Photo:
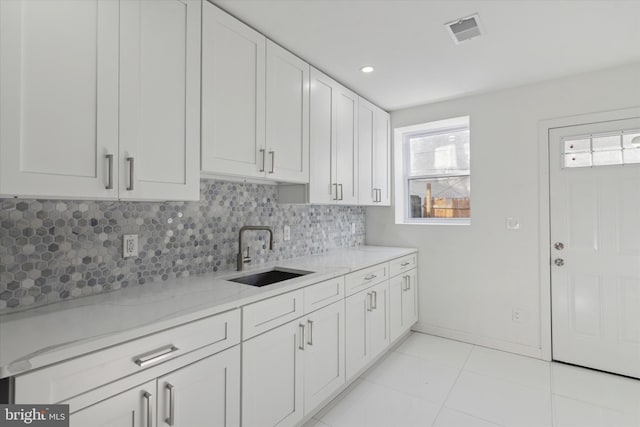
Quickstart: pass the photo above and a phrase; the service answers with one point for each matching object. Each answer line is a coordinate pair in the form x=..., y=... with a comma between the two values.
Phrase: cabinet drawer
x=264, y=315
x=323, y=293
x=362, y=279
x=67, y=379
x=403, y=264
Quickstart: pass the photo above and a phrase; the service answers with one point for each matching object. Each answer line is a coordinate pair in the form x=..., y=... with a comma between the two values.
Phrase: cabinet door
x=233, y=95
x=382, y=157
x=410, y=300
x=132, y=408
x=379, y=319
x=206, y=393
x=346, y=146
x=287, y=123
x=322, y=137
x=367, y=194
x=397, y=287
x=59, y=103
x=272, y=377
x=160, y=99
x=357, y=309
x=324, y=369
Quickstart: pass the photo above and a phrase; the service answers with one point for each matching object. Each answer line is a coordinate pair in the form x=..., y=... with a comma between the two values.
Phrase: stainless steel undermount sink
x=269, y=277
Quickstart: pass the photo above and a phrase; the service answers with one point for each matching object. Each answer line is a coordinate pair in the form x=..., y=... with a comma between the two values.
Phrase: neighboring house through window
x=432, y=173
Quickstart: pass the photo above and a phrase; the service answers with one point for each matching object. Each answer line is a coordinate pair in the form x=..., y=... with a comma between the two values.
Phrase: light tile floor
x=432, y=381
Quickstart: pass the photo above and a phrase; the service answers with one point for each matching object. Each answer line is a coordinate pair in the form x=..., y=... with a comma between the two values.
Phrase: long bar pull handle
x=147, y=396
x=301, y=346
x=408, y=283
x=109, y=185
x=370, y=277
x=310, y=340
x=404, y=264
x=369, y=301
x=131, y=171
x=172, y=404
x=336, y=185
x=156, y=356
x=273, y=161
x=264, y=155
x=341, y=193
x=375, y=300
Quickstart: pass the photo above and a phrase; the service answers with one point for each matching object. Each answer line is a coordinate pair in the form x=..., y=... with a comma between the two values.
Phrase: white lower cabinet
x=324, y=367
x=290, y=370
x=367, y=326
x=272, y=377
x=205, y=393
x=403, y=298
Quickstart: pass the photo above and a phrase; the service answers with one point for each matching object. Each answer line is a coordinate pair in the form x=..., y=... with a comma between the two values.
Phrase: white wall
x=471, y=277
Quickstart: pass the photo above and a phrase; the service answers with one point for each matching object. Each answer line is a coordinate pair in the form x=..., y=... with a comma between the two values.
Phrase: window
x=618, y=148
x=432, y=173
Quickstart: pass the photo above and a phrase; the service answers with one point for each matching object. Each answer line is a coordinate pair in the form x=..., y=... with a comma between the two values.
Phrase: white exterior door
x=59, y=103
x=595, y=245
x=233, y=95
x=205, y=393
x=160, y=99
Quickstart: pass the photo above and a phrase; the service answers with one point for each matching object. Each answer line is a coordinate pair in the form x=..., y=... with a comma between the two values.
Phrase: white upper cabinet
x=233, y=96
x=100, y=99
x=160, y=99
x=334, y=149
x=374, y=155
x=59, y=98
x=287, y=112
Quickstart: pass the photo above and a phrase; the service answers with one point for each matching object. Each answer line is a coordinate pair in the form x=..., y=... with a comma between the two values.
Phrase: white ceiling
x=415, y=58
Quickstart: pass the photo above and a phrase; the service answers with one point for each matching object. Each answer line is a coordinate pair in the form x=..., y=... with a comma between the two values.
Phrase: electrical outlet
x=286, y=233
x=518, y=315
x=353, y=228
x=129, y=245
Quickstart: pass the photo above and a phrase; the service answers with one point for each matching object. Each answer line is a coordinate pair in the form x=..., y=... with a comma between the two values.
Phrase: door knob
x=559, y=262
x=559, y=246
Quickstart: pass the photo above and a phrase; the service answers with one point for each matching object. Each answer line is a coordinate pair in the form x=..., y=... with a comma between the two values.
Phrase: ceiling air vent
x=464, y=29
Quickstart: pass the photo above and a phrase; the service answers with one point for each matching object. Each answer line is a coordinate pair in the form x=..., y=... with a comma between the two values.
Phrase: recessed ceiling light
x=367, y=69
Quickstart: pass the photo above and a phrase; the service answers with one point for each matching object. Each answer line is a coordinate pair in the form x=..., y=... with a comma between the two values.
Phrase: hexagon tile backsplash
x=51, y=250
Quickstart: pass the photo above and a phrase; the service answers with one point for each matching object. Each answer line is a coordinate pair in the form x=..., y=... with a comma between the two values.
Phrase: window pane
x=440, y=197
x=632, y=155
x=601, y=158
x=628, y=140
x=577, y=160
x=439, y=154
x=606, y=143
x=577, y=145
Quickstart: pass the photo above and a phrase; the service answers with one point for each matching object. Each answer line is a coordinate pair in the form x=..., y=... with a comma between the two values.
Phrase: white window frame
x=401, y=179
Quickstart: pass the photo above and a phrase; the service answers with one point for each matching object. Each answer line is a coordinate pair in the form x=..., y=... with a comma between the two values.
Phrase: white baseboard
x=480, y=340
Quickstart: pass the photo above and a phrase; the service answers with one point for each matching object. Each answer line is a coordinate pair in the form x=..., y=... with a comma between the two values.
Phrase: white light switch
x=130, y=245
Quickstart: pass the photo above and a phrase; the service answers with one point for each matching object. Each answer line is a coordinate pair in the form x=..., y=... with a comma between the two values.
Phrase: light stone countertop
x=49, y=334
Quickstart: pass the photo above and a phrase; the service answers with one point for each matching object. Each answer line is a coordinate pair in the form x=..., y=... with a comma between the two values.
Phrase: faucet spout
x=241, y=260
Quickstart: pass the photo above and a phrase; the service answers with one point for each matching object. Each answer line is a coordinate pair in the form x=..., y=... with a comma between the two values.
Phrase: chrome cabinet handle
x=273, y=160
x=264, y=155
x=369, y=301
x=310, y=340
x=370, y=277
x=408, y=283
x=335, y=185
x=301, y=345
x=109, y=185
x=559, y=262
x=404, y=283
x=559, y=246
x=147, y=396
x=404, y=264
x=341, y=193
x=131, y=170
x=172, y=402
x=375, y=300
x=153, y=357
